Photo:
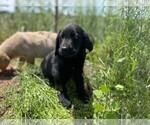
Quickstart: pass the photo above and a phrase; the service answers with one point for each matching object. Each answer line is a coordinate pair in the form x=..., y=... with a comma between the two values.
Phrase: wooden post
x=56, y=16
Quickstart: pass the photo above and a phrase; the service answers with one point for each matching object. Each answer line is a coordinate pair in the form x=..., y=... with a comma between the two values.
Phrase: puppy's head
x=71, y=40
x=4, y=60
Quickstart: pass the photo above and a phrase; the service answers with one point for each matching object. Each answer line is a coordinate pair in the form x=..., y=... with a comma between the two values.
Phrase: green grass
x=33, y=98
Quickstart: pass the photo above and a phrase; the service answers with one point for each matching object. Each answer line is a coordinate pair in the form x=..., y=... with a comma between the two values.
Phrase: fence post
x=56, y=16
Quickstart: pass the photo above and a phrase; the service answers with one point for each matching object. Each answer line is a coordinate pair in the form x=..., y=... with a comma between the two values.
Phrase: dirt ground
x=7, y=80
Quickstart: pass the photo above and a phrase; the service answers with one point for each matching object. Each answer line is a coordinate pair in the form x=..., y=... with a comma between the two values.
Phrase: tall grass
x=123, y=78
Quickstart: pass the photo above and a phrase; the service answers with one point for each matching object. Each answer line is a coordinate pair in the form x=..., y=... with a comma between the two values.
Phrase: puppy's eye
x=72, y=35
x=76, y=36
x=62, y=35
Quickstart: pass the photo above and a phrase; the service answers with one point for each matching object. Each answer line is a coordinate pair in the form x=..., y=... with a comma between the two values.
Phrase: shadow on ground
x=80, y=110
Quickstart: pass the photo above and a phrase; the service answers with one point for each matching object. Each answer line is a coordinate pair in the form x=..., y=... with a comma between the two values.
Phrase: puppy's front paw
x=66, y=103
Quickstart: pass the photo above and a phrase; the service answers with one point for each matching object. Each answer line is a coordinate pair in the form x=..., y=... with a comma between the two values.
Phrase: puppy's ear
x=3, y=56
x=4, y=60
x=57, y=43
x=88, y=42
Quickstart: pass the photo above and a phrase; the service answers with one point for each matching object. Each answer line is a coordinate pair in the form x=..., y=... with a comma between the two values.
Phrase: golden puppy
x=27, y=45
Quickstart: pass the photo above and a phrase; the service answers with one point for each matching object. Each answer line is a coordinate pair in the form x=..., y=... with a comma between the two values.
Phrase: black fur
x=67, y=62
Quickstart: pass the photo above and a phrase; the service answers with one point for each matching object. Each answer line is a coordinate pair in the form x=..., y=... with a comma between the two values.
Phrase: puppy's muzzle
x=67, y=51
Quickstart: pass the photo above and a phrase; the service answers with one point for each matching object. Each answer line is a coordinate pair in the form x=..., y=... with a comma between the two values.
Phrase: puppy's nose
x=63, y=47
x=66, y=48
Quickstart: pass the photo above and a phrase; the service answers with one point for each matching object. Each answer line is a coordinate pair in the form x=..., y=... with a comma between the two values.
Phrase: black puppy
x=67, y=62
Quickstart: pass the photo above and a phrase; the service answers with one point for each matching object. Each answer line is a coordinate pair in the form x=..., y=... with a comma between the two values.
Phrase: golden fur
x=27, y=45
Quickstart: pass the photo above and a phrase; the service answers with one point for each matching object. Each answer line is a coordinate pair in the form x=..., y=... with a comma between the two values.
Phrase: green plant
x=128, y=96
